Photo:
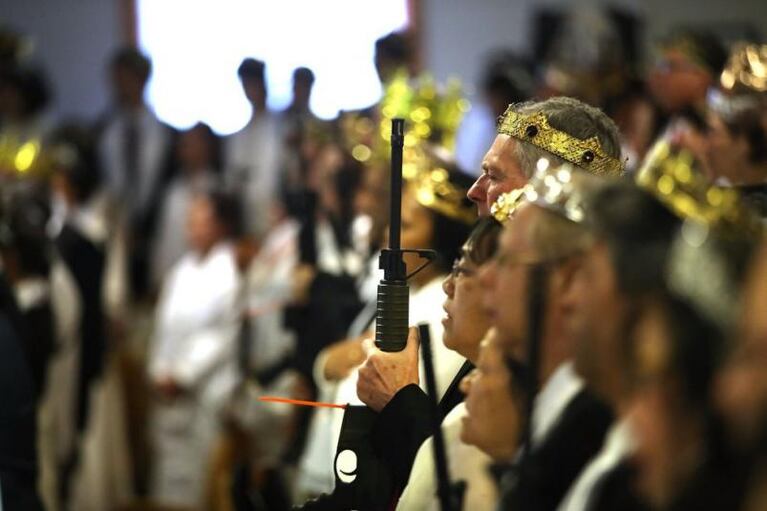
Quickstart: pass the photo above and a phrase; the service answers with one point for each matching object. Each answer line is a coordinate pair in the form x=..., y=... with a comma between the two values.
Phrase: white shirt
x=550, y=403
x=269, y=290
x=465, y=463
x=252, y=167
x=619, y=444
x=197, y=323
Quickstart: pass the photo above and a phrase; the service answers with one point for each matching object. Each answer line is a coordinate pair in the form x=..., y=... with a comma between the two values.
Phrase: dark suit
x=396, y=434
x=615, y=491
x=541, y=480
x=86, y=260
x=18, y=428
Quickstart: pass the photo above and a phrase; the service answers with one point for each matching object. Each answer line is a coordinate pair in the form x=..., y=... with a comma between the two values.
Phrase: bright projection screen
x=197, y=45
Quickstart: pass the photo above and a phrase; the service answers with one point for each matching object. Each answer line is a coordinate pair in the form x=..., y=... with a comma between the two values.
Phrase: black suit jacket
x=543, y=477
x=18, y=423
x=615, y=491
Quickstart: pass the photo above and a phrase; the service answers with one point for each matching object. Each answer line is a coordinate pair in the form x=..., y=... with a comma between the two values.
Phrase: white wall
x=73, y=40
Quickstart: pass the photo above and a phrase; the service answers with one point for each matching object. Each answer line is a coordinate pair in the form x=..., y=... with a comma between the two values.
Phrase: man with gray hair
x=561, y=129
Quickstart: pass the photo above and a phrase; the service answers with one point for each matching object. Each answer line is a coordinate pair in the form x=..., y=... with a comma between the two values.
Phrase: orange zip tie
x=317, y=404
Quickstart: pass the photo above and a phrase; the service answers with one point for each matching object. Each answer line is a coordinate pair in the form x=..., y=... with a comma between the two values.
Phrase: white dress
x=194, y=343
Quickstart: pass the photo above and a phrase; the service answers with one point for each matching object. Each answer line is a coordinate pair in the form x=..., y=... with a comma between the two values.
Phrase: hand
x=385, y=373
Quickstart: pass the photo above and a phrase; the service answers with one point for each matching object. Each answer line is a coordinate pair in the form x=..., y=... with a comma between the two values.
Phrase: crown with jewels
x=673, y=176
x=552, y=187
x=438, y=185
x=535, y=129
x=432, y=113
x=743, y=82
x=746, y=69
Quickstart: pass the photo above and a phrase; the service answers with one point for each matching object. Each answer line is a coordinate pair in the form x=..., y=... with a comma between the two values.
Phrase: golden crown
x=746, y=69
x=535, y=129
x=21, y=157
x=432, y=116
x=673, y=176
x=507, y=204
x=743, y=83
x=430, y=177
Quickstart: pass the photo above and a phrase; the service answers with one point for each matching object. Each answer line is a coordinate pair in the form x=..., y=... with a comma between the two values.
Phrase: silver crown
x=554, y=188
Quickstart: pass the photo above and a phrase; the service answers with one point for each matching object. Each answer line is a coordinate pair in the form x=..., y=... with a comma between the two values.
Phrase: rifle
x=392, y=318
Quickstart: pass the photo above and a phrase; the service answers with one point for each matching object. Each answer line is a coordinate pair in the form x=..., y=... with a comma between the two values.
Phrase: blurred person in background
x=18, y=449
x=629, y=227
x=252, y=155
x=135, y=148
x=198, y=153
x=687, y=64
x=735, y=143
x=25, y=252
x=587, y=51
x=337, y=360
x=299, y=124
x=679, y=345
x=742, y=387
x=393, y=53
x=89, y=252
x=192, y=361
x=638, y=120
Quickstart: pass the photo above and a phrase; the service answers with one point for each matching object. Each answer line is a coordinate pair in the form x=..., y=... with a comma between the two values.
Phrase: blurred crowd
x=597, y=298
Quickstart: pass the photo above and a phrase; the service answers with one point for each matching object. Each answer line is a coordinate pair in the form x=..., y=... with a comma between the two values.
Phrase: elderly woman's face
x=466, y=319
x=492, y=422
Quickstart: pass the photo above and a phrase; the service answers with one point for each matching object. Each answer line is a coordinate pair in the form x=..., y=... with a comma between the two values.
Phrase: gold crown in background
x=507, y=204
x=742, y=84
x=746, y=69
x=21, y=157
x=673, y=176
x=432, y=116
x=429, y=175
x=535, y=129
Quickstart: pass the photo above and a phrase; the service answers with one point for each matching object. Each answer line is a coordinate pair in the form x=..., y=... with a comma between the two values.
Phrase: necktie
x=131, y=185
